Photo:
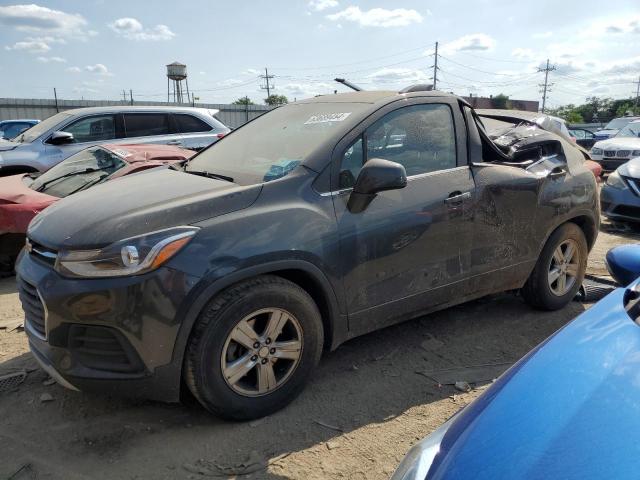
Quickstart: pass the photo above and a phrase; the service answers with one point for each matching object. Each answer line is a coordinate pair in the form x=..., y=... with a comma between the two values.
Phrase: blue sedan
x=570, y=409
x=13, y=128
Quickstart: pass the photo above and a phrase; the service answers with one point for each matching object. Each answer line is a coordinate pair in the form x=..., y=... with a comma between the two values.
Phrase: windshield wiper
x=70, y=174
x=217, y=176
x=89, y=184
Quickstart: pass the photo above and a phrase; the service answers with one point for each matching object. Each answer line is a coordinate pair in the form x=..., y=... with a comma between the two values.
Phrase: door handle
x=456, y=198
x=174, y=142
x=557, y=172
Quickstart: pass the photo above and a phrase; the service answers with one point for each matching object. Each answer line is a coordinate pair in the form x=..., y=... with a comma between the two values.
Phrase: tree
x=500, y=101
x=243, y=101
x=275, y=100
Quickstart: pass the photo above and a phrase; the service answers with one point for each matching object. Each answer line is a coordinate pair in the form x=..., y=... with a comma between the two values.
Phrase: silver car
x=60, y=136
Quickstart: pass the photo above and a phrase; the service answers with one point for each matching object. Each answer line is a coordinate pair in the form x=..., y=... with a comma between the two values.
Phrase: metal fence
x=12, y=108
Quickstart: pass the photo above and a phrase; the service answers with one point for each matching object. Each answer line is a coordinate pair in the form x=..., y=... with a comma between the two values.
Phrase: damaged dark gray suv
x=317, y=222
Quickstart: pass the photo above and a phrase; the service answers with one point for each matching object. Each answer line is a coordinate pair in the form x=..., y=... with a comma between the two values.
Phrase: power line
x=546, y=83
x=480, y=70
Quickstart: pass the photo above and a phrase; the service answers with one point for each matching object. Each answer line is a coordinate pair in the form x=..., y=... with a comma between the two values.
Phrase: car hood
x=570, y=409
x=134, y=205
x=630, y=168
x=6, y=145
x=630, y=143
x=14, y=190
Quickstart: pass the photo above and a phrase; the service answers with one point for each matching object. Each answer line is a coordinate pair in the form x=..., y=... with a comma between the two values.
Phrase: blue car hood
x=569, y=410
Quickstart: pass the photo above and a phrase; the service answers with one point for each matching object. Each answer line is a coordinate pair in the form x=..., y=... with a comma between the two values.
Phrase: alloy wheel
x=261, y=352
x=564, y=267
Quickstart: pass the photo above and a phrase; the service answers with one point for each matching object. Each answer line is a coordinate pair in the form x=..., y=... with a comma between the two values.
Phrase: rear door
x=150, y=127
x=196, y=133
x=408, y=251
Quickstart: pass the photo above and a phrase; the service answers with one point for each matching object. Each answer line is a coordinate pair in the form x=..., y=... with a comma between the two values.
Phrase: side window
x=146, y=124
x=420, y=137
x=352, y=161
x=190, y=124
x=92, y=129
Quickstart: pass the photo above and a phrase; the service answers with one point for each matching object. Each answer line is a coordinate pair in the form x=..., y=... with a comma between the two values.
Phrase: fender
x=336, y=325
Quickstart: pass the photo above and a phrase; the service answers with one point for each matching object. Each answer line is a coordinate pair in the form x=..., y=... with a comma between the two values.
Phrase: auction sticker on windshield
x=327, y=117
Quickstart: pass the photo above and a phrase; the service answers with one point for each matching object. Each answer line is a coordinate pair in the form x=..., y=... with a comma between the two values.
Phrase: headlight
x=131, y=256
x=596, y=151
x=417, y=462
x=615, y=181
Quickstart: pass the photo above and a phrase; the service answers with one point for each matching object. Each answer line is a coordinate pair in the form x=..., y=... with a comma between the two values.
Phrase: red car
x=23, y=196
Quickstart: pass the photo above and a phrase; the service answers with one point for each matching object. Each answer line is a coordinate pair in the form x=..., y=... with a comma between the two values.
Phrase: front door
x=409, y=249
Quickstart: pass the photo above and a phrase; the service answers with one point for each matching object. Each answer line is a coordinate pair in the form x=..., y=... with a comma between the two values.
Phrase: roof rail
x=420, y=87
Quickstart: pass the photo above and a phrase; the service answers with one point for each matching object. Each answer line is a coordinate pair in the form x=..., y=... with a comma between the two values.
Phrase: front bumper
x=620, y=204
x=115, y=335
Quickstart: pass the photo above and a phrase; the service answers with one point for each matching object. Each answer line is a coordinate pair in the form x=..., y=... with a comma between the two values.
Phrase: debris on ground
x=470, y=373
x=12, y=325
x=211, y=468
x=462, y=386
x=46, y=397
x=326, y=425
x=331, y=445
x=9, y=381
x=594, y=288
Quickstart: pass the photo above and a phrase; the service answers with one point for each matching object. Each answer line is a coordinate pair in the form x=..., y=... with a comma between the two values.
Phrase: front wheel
x=560, y=270
x=253, y=348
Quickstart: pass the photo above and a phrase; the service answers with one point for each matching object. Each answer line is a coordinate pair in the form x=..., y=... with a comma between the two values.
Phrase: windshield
x=275, y=143
x=631, y=130
x=34, y=132
x=86, y=168
x=617, y=123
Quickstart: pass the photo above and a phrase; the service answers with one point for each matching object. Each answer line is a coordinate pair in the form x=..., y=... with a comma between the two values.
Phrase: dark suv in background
x=317, y=222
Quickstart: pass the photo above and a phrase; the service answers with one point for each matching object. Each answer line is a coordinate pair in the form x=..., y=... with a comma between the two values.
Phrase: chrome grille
x=623, y=153
x=609, y=153
x=35, y=313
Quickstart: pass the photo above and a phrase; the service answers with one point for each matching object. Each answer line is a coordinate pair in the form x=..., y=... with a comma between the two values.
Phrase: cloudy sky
x=97, y=48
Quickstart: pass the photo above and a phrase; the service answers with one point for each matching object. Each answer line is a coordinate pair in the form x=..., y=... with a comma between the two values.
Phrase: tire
x=258, y=303
x=539, y=291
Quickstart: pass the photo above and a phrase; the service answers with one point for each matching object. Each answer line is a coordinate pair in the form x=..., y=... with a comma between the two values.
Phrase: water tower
x=176, y=73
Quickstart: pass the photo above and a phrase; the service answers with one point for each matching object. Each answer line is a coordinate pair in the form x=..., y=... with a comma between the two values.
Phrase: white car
x=66, y=133
x=615, y=151
x=613, y=127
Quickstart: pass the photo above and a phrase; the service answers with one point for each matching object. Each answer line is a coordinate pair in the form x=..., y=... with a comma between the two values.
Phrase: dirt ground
x=367, y=405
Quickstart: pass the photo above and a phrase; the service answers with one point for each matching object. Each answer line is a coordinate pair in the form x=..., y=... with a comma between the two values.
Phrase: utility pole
x=545, y=86
x=638, y=93
x=55, y=96
x=131, y=96
x=435, y=69
x=124, y=95
x=266, y=78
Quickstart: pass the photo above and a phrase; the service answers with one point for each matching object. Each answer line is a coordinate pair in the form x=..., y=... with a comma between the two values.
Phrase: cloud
x=98, y=69
x=251, y=71
x=473, y=42
x=43, y=20
x=405, y=76
x=52, y=59
x=378, y=17
x=624, y=25
x=74, y=69
x=524, y=53
x=320, y=5
x=542, y=35
x=308, y=89
x=132, y=29
x=31, y=46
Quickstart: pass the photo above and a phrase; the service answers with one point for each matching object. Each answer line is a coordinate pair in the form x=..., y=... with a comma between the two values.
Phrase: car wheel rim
x=261, y=352
x=564, y=267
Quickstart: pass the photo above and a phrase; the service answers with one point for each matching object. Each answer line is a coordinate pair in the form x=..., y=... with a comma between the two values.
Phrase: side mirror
x=377, y=175
x=60, y=138
x=623, y=263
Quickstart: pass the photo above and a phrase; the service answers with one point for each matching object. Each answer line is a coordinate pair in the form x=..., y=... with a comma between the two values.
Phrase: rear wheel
x=560, y=270
x=253, y=348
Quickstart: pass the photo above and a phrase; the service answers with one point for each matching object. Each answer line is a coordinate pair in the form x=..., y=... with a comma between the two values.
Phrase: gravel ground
x=367, y=405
